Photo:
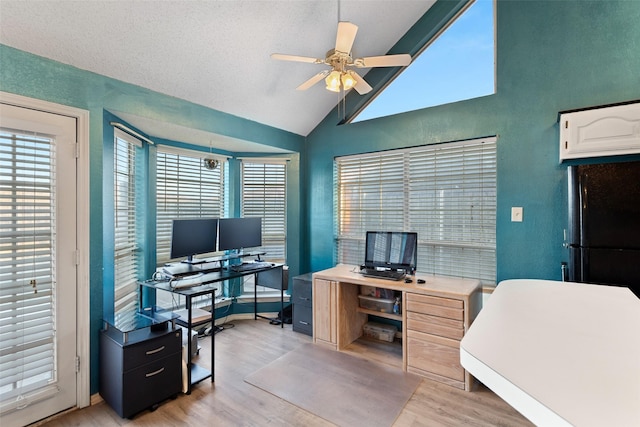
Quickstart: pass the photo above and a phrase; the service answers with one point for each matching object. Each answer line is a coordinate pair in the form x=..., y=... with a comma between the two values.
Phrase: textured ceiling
x=212, y=53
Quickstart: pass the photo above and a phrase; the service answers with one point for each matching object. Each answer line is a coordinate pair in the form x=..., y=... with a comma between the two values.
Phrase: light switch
x=516, y=214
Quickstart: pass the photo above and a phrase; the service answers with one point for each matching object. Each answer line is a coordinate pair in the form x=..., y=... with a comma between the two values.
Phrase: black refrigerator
x=604, y=224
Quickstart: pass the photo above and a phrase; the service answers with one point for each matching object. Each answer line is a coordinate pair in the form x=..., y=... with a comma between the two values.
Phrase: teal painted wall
x=551, y=56
x=36, y=77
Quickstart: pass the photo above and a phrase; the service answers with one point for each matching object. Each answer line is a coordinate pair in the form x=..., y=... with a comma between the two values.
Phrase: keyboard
x=383, y=274
x=250, y=266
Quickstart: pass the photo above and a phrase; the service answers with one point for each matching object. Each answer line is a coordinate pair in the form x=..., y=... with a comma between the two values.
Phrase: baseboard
x=95, y=399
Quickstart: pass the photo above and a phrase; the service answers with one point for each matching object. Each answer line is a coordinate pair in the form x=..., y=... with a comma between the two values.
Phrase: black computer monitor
x=190, y=237
x=239, y=233
x=397, y=250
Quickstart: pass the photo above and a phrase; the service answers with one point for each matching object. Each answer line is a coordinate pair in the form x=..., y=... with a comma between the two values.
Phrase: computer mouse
x=408, y=280
x=421, y=281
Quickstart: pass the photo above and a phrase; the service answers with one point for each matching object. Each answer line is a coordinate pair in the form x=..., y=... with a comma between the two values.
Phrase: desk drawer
x=441, y=326
x=302, y=290
x=434, y=354
x=152, y=383
x=435, y=306
x=151, y=350
x=302, y=319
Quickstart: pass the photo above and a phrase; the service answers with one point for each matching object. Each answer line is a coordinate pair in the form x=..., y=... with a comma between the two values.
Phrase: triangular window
x=459, y=64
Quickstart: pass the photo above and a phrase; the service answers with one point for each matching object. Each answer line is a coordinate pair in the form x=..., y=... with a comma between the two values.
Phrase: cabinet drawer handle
x=157, y=350
x=304, y=299
x=304, y=323
x=150, y=374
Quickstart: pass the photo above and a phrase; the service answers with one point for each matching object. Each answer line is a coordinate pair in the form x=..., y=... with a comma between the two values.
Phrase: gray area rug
x=343, y=389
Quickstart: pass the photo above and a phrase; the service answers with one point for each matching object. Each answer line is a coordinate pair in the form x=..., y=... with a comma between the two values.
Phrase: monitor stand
x=193, y=261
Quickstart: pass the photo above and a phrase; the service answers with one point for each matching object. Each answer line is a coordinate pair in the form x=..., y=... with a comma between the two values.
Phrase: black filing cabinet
x=141, y=368
x=302, y=304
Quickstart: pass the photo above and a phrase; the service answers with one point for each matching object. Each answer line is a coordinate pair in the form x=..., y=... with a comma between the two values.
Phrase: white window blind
x=27, y=276
x=126, y=248
x=264, y=195
x=264, y=186
x=445, y=192
x=185, y=189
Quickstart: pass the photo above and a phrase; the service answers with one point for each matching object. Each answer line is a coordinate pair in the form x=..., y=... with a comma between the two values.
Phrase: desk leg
x=282, y=307
x=213, y=333
x=189, y=362
x=255, y=296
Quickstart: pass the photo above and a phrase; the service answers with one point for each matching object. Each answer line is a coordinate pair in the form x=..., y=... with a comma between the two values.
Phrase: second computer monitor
x=239, y=233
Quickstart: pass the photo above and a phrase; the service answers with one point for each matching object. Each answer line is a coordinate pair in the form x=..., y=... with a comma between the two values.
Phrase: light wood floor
x=230, y=401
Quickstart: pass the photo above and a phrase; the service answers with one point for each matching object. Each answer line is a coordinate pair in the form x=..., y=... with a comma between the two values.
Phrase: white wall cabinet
x=608, y=131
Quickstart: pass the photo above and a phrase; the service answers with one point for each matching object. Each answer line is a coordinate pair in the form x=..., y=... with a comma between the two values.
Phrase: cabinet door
x=324, y=312
x=600, y=132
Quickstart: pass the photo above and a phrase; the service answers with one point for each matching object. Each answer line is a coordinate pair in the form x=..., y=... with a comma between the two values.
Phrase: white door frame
x=83, y=378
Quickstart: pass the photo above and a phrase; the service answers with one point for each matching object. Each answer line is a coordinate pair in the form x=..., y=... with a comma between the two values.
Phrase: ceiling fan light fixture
x=348, y=81
x=333, y=81
x=339, y=77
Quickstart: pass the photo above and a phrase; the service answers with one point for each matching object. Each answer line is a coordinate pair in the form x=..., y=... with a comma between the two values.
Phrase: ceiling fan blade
x=313, y=80
x=295, y=58
x=383, y=61
x=361, y=85
x=345, y=37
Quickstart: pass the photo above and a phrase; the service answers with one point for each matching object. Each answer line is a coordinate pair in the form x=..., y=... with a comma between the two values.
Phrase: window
x=444, y=192
x=126, y=248
x=458, y=64
x=264, y=195
x=185, y=189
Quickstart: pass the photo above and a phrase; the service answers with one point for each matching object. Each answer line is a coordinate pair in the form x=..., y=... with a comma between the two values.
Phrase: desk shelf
x=196, y=313
x=198, y=373
x=390, y=316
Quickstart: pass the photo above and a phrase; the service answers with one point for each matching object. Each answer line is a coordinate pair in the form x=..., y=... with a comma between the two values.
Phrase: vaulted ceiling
x=212, y=53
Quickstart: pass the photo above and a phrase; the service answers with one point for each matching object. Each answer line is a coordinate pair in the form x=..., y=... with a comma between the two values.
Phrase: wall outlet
x=516, y=214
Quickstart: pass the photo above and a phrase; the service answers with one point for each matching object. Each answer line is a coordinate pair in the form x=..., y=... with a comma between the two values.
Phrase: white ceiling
x=212, y=53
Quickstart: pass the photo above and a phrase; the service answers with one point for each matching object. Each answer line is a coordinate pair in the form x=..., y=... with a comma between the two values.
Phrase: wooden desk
x=435, y=316
x=560, y=353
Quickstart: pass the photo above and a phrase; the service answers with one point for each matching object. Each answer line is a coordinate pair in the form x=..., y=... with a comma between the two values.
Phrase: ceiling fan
x=340, y=76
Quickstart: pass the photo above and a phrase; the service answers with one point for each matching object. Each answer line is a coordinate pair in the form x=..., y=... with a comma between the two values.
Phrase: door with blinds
x=37, y=264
